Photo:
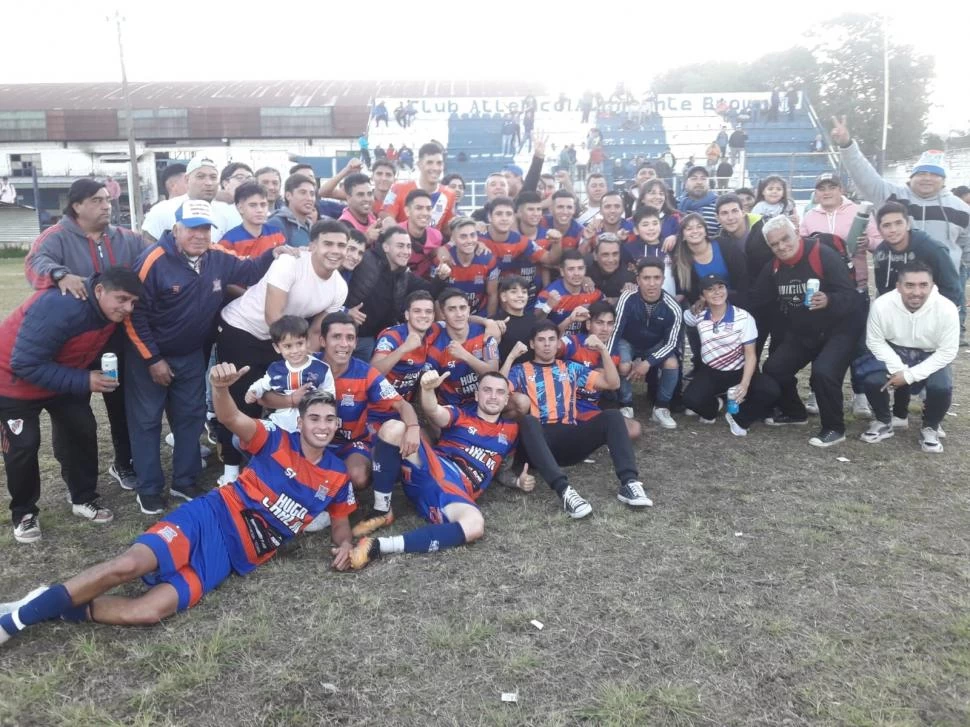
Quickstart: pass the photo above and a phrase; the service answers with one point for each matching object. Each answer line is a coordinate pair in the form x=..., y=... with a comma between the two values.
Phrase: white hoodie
x=934, y=327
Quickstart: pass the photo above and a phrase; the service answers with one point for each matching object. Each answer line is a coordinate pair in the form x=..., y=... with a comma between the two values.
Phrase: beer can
x=109, y=365
x=732, y=402
x=812, y=286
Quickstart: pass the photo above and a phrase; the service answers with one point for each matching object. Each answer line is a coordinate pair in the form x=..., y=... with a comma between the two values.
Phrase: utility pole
x=885, y=90
x=134, y=182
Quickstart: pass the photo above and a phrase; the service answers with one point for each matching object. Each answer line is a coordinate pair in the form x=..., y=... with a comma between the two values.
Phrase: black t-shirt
x=518, y=328
x=611, y=285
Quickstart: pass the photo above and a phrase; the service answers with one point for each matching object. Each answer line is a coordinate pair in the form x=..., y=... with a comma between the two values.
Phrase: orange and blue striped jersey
x=406, y=372
x=277, y=495
x=552, y=388
x=442, y=204
x=572, y=347
x=476, y=446
x=460, y=387
x=568, y=302
x=240, y=242
x=361, y=394
x=472, y=279
x=518, y=255
x=571, y=237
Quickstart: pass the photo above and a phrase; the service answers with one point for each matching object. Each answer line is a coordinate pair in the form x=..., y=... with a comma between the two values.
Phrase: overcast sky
x=178, y=40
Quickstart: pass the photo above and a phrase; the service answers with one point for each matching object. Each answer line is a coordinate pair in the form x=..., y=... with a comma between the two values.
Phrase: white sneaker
x=940, y=433
x=204, y=451
x=318, y=523
x=224, y=480
x=900, y=423
x=627, y=411
x=876, y=432
x=702, y=420
x=690, y=413
x=811, y=405
x=574, y=504
x=663, y=418
x=736, y=429
x=93, y=511
x=930, y=440
x=860, y=406
x=6, y=608
x=27, y=530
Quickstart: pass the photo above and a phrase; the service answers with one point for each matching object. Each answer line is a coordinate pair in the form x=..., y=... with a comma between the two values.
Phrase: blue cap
x=514, y=169
x=194, y=213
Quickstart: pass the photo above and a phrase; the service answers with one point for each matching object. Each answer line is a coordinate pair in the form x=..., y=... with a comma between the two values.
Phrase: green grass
x=771, y=584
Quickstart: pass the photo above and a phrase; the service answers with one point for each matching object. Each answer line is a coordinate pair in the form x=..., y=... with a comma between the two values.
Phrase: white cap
x=194, y=213
x=199, y=161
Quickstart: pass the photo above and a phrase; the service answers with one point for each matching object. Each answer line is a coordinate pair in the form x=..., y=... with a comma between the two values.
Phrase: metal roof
x=223, y=94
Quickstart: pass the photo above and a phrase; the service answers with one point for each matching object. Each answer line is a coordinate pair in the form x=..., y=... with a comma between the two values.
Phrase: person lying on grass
x=290, y=479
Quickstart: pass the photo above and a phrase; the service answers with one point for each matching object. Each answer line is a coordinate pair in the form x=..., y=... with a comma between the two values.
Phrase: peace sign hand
x=840, y=131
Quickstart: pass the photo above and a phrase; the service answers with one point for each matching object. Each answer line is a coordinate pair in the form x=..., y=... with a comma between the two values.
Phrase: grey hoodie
x=944, y=217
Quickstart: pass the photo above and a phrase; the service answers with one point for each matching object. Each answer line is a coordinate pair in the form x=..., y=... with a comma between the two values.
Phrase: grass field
x=771, y=584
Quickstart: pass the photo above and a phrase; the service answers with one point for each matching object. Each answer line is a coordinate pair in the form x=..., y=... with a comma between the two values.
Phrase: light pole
x=885, y=90
x=134, y=182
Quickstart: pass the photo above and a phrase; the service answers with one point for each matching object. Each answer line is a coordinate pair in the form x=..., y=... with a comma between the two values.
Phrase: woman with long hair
x=697, y=256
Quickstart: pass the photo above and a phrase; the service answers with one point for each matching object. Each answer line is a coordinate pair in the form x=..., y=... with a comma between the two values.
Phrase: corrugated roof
x=222, y=94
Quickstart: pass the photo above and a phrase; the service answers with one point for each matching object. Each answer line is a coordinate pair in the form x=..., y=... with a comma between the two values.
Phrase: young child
x=513, y=296
x=772, y=198
x=286, y=381
x=647, y=226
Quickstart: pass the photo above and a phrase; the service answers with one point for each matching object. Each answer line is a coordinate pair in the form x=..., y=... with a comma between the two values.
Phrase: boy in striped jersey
x=728, y=335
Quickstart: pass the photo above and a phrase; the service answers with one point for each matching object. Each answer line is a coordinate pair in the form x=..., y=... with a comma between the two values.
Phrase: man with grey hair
x=822, y=329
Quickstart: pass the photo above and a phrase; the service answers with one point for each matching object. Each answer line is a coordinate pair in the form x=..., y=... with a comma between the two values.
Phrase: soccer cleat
x=187, y=492
x=27, y=530
x=811, y=405
x=375, y=520
x=150, y=504
x=366, y=550
x=93, y=511
x=13, y=622
x=860, y=406
x=632, y=494
x=661, y=416
x=930, y=440
x=575, y=505
x=627, y=411
x=826, y=438
x=736, y=429
x=781, y=420
x=125, y=476
x=320, y=522
x=900, y=422
x=876, y=432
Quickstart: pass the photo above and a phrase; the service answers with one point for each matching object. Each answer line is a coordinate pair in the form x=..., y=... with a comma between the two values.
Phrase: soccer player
x=253, y=237
x=443, y=482
x=360, y=390
x=463, y=348
x=431, y=165
x=564, y=302
x=401, y=352
x=472, y=272
x=425, y=239
x=610, y=219
x=383, y=173
x=290, y=479
x=563, y=219
x=552, y=386
x=530, y=223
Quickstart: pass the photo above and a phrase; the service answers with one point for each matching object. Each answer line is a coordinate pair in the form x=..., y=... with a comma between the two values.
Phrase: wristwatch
x=58, y=275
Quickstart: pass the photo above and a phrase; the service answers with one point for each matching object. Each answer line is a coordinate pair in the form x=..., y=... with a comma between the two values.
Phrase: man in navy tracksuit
x=823, y=333
x=46, y=347
x=184, y=278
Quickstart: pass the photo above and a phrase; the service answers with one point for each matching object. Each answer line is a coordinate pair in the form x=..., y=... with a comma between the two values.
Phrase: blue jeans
x=666, y=385
x=939, y=395
x=964, y=275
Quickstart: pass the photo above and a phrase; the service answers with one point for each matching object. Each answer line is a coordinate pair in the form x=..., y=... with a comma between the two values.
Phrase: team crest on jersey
x=387, y=390
x=347, y=400
x=16, y=426
x=385, y=345
x=479, y=280
x=167, y=533
x=502, y=439
x=217, y=286
x=506, y=258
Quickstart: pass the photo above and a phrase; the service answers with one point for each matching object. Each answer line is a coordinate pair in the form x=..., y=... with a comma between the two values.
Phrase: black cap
x=709, y=281
x=698, y=168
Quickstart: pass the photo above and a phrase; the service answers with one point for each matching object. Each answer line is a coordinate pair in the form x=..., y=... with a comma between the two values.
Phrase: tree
x=850, y=83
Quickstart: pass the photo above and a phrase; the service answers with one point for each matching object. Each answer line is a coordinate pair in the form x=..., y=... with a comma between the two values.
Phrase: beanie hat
x=931, y=162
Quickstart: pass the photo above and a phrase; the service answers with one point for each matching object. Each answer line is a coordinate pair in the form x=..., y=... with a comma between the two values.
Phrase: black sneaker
x=150, y=504
x=826, y=438
x=574, y=505
x=780, y=420
x=187, y=492
x=212, y=430
x=125, y=476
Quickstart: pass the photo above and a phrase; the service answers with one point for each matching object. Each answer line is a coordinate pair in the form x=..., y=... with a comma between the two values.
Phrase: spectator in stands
x=700, y=198
x=596, y=158
x=300, y=194
x=202, y=183
x=585, y=107
x=379, y=114
x=270, y=179
x=792, y=98
x=308, y=286
x=722, y=140
x=934, y=210
x=914, y=335
x=902, y=245
x=718, y=170
x=456, y=184
x=48, y=344
x=605, y=270
x=184, y=278
x=173, y=181
x=496, y=185
x=824, y=333
x=425, y=240
x=513, y=175
x=774, y=105
x=63, y=256
x=647, y=334
x=508, y=129
x=391, y=153
x=818, y=144
x=746, y=196
x=737, y=141
x=253, y=236
x=379, y=287
x=231, y=177
x=528, y=124
x=582, y=161
x=772, y=199
x=360, y=202
x=405, y=157
x=595, y=189
x=400, y=115
x=411, y=111
x=431, y=165
x=363, y=145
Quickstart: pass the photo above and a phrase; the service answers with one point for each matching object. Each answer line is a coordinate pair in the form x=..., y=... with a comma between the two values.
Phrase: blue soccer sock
x=387, y=471
x=434, y=537
x=45, y=606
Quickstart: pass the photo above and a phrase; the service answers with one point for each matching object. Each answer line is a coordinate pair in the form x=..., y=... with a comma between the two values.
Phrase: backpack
x=815, y=255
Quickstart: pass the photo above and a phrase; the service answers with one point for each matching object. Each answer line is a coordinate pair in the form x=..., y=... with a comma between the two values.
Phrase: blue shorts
x=190, y=549
x=433, y=484
x=345, y=449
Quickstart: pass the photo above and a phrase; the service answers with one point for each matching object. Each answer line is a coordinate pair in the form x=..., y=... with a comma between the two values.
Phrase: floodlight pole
x=885, y=90
x=134, y=182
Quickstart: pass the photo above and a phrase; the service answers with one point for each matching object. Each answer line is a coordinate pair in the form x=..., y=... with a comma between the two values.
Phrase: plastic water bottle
x=732, y=400
x=109, y=365
x=812, y=286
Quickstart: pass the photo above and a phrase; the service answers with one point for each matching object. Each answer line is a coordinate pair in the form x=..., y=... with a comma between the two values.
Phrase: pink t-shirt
x=348, y=217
